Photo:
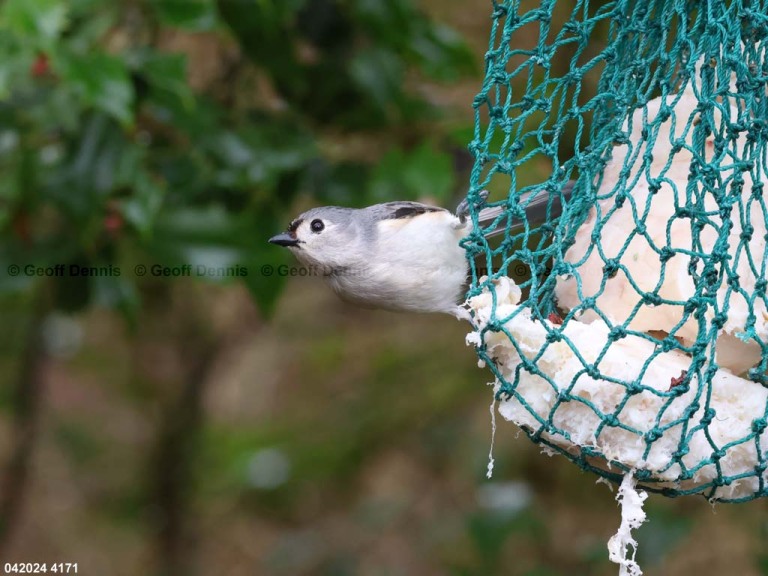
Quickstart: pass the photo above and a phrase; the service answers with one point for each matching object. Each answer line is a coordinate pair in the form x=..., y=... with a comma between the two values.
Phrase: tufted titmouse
x=400, y=256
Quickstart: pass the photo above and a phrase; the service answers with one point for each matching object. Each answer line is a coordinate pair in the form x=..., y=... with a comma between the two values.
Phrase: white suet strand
x=737, y=347
x=622, y=547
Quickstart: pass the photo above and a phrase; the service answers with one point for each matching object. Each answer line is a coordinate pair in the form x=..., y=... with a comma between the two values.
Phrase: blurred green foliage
x=110, y=155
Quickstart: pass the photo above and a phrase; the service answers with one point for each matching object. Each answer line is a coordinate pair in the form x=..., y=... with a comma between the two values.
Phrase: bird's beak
x=284, y=239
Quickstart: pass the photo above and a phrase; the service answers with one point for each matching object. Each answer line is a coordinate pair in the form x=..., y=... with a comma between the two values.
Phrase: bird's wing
x=401, y=209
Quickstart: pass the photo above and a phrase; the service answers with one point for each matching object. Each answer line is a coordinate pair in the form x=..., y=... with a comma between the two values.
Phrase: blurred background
x=230, y=417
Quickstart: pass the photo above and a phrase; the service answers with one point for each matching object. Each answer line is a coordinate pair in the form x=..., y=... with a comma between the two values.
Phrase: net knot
x=617, y=333
x=611, y=420
x=651, y=299
x=681, y=453
x=709, y=415
x=759, y=425
x=643, y=474
x=611, y=268
x=652, y=435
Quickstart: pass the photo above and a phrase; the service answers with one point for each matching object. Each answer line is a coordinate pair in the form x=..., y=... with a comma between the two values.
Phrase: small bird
x=400, y=256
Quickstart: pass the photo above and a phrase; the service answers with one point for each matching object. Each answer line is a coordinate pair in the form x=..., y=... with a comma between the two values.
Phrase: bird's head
x=325, y=237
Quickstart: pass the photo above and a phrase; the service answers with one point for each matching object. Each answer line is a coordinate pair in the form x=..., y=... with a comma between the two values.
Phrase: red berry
x=113, y=223
x=40, y=66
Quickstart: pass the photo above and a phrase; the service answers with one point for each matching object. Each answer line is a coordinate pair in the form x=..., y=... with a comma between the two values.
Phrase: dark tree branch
x=197, y=348
x=27, y=400
x=177, y=447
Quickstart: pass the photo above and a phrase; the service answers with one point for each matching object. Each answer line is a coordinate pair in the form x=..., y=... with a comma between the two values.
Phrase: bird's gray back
x=397, y=210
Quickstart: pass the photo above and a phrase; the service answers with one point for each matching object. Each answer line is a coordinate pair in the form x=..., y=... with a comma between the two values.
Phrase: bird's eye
x=316, y=226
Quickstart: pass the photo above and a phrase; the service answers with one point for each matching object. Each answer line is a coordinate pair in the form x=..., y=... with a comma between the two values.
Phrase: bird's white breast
x=415, y=264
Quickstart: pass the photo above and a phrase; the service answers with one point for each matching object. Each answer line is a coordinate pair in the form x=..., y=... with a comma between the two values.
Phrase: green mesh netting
x=639, y=342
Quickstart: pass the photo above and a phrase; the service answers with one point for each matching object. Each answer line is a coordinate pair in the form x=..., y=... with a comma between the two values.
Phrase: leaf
x=195, y=15
x=443, y=54
x=15, y=65
x=386, y=181
x=265, y=280
x=423, y=172
x=36, y=21
x=399, y=26
x=102, y=81
x=201, y=226
x=232, y=149
x=168, y=73
x=263, y=29
x=428, y=172
x=197, y=119
x=97, y=158
x=261, y=153
x=390, y=22
x=341, y=184
x=379, y=73
x=143, y=207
